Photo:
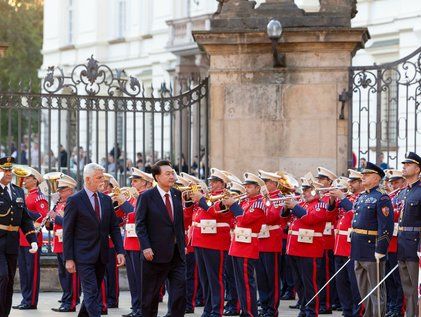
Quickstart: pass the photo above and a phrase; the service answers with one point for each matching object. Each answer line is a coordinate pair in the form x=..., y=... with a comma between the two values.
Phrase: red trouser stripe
x=316, y=306
x=221, y=282
x=75, y=290
x=327, y=279
x=246, y=283
x=195, y=285
x=276, y=277
x=104, y=296
x=35, y=280
x=117, y=281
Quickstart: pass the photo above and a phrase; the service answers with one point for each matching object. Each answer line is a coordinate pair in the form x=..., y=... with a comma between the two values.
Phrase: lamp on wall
x=274, y=31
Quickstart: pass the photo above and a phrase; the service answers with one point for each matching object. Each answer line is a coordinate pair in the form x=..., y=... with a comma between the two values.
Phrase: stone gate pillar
x=272, y=118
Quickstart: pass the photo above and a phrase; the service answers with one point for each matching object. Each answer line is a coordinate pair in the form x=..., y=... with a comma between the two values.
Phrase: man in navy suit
x=160, y=228
x=89, y=219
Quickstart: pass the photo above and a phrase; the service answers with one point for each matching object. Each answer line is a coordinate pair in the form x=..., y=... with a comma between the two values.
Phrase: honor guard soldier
x=211, y=240
x=372, y=229
x=346, y=282
x=244, y=249
x=409, y=232
x=140, y=182
x=268, y=269
x=29, y=267
x=395, y=297
x=13, y=216
x=305, y=244
x=111, y=278
x=328, y=297
x=69, y=282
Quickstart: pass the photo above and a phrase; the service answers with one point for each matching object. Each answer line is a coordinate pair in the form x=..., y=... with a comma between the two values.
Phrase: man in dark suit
x=160, y=228
x=89, y=220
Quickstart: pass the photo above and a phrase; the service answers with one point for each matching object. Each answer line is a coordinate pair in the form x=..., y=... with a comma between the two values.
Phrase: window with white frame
x=70, y=21
x=121, y=18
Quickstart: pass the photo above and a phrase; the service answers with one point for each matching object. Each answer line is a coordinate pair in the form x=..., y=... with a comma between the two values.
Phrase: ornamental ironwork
x=384, y=120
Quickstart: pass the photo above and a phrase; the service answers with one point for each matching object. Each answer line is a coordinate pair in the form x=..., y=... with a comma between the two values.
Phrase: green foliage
x=21, y=28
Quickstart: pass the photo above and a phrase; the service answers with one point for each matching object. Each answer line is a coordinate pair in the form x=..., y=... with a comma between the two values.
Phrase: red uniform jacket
x=131, y=241
x=37, y=205
x=204, y=233
x=311, y=216
x=270, y=237
x=397, y=207
x=188, y=219
x=250, y=216
x=58, y=228
x=342, y=230
x=328, y=232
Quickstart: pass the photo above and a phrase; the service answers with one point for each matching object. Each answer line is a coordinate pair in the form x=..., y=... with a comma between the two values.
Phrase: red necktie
x=168, y=205
x=97, y=212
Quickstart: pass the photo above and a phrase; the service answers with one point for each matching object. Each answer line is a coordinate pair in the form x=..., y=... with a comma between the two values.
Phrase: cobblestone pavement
x=49, y=300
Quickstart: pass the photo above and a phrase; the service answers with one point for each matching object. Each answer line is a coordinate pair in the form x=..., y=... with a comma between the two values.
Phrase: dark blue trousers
x=111, y=279
x=346, y=284
x=69, y=284
x=268, y=271
x=210, y=264
x=305, y=277
x=326, y=269
x=395, y=296
x=91, y=277
x=246, y=285
x=287, y=280
x=232, y=304
x=29, y=271
x=194, y=291
x=134, y=276
x=8, y=264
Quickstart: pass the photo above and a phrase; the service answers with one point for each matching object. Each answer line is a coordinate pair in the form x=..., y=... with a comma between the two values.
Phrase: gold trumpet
x=52, y=179
x=120, y=195
x=20, y=172
x=186, y=191
x=216, y=198
x=328, y=189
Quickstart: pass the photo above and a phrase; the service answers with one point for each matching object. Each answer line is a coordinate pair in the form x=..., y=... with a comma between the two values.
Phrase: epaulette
x=258, y=205
x=40, y=197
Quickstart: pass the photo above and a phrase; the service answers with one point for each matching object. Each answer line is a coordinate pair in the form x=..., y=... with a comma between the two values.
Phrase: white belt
x=314, y=234
x=218, y=224
x=273, y=227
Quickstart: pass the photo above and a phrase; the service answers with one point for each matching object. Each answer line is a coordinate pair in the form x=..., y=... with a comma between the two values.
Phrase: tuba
x=20, y=172
x=52, y=179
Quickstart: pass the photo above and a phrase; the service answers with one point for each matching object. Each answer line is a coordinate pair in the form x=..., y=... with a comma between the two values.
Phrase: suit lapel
x=87, y=203
x=161, y=203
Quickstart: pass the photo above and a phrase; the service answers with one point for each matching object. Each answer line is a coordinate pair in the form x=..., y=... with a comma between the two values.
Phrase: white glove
x=34, y=247
x=378, y=256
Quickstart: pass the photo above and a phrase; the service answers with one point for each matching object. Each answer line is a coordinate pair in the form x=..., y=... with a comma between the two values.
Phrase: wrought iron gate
x=92, y=113
x=385, y=111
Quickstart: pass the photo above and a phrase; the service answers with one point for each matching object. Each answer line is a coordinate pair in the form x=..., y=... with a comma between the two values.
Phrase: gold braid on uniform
x=5, y=214
x=29, y=232
x=384, y=236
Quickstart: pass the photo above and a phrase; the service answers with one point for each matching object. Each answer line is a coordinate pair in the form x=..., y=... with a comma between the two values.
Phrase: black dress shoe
x=167, y=315
x=296, y=306
x=324, y=311
x=112, y=306
x=336, y=307
x=16, y=306
x=189, y=311
x=231, y=313
x=27, y=307
x=62, y=309
x=288, y=296
x=131, y=314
